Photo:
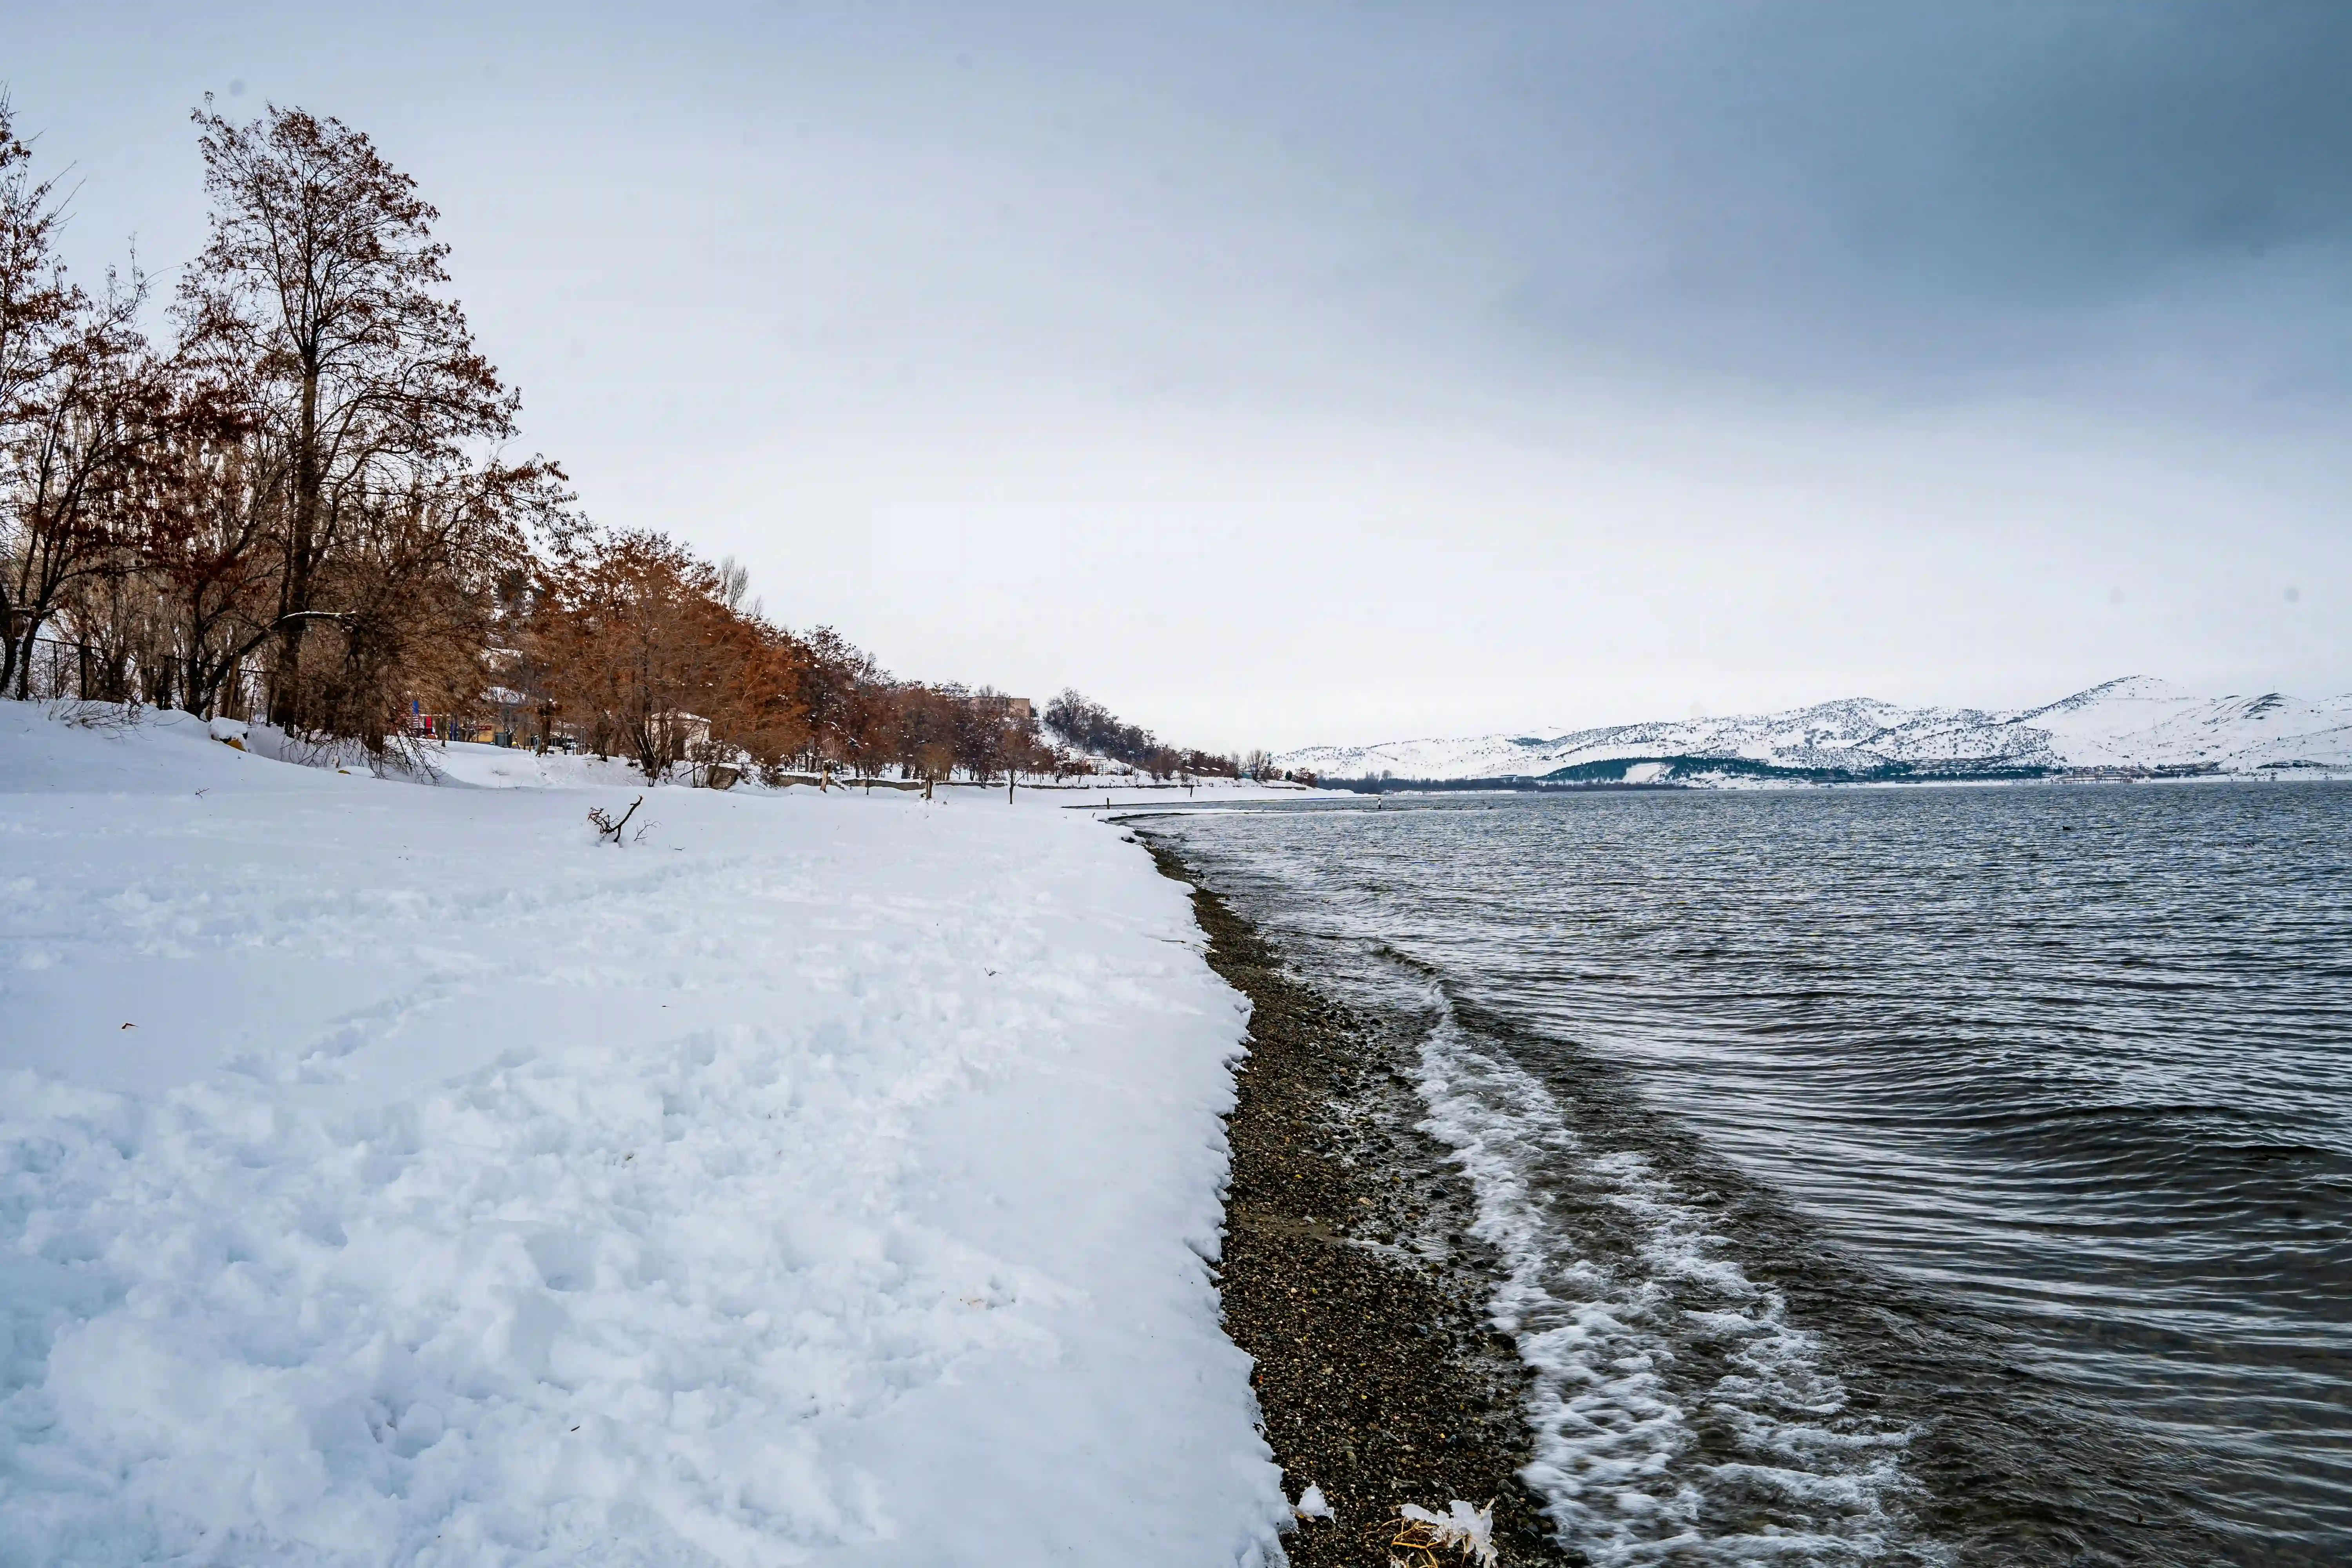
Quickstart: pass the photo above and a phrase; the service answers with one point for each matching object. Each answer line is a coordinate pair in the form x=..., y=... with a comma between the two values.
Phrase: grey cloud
x=1810, y=189
x=1621, y=352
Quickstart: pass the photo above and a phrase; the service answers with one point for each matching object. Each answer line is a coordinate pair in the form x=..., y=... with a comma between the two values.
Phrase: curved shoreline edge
x=1347, y=1275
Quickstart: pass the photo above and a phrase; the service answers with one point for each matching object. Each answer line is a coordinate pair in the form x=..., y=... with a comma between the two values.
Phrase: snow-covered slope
x=393, y=1174
x=2137, y=724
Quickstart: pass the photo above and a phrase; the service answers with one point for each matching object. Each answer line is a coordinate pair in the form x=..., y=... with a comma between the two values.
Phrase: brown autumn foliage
x=300, y=507
x=639, y=652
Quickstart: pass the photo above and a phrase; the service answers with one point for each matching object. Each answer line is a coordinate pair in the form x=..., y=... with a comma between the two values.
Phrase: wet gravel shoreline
x=1349, y=1276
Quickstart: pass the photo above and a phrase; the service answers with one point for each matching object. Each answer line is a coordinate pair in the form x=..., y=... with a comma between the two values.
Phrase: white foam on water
x=1616, y=1446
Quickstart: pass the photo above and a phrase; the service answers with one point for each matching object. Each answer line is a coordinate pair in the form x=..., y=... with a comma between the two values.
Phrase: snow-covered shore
x=395, y=1175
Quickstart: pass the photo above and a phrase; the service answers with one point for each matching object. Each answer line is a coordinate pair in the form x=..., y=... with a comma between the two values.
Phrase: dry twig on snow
x=602, y=821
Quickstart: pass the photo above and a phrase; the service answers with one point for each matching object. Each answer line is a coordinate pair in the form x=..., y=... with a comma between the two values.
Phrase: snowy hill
x=2137, y=725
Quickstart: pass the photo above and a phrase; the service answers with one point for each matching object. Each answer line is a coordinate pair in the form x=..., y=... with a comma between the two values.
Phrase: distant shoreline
x=1749, y=782
x=2132, y=728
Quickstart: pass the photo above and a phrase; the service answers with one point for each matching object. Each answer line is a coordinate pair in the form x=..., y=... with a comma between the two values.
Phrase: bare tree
x=209, y=543
x=81, y=432
x=36, y=304
x=37, y=310
x=319, y=284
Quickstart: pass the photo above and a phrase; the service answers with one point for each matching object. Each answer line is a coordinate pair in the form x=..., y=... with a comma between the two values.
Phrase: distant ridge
x=2137, y=726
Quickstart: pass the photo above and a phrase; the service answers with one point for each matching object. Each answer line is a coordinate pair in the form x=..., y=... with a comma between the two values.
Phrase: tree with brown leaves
x=637, y=643
x=320, y=287
x=306, y=495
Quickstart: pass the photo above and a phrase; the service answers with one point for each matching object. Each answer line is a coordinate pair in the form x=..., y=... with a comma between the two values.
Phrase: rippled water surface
x=1929, y=1174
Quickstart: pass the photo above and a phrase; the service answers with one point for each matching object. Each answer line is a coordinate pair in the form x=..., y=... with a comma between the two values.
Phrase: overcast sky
x=1292, y=375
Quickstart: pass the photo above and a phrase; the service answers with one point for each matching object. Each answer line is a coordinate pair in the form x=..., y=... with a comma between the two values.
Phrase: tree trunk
x=295, y=602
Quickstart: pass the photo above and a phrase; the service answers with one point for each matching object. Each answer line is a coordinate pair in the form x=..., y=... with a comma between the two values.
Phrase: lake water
x=1899, y=1174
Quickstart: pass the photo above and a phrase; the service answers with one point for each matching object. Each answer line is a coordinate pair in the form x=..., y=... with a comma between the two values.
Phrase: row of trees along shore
x=304, y=506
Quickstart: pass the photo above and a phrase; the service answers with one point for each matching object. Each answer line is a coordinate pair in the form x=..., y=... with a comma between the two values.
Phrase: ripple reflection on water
x=2029, y=1111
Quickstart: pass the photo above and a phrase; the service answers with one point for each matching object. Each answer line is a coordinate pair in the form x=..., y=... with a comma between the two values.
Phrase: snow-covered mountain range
x=2133, y=726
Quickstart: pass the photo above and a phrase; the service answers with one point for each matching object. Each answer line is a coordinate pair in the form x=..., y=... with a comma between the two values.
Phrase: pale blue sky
x=1339, y=374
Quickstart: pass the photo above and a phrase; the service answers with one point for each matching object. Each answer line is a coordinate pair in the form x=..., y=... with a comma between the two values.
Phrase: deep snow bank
x=822, y=1178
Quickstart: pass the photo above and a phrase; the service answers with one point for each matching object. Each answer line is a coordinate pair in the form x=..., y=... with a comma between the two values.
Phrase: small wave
x=1676, y=1410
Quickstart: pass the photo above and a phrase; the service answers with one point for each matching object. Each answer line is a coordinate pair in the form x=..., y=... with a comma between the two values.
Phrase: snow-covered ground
x=494, y=767
x=392, y=1173
x=2135, y=723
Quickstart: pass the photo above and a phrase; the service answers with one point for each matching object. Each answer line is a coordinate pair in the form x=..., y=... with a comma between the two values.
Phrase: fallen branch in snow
x=606, y=827
x=1469, y=1531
